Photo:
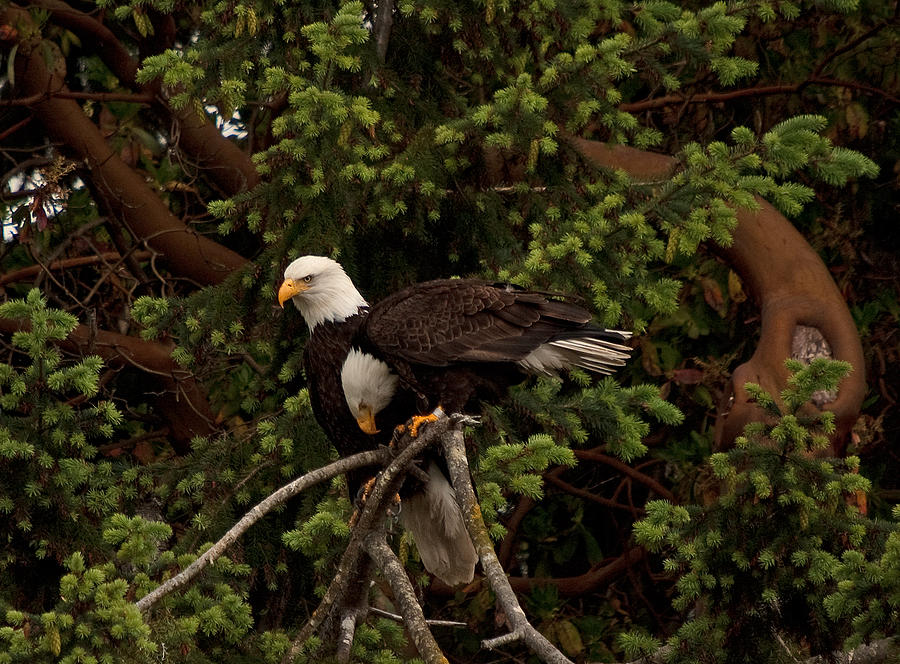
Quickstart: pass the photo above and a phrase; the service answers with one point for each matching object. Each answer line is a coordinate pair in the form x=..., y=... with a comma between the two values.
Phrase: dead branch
x=262, y=508
x=405, y=596
x=377, y=503
x=65, y=264
x=458, y=465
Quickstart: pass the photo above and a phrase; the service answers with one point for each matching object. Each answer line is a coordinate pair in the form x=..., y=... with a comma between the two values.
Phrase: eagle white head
x=321, y=290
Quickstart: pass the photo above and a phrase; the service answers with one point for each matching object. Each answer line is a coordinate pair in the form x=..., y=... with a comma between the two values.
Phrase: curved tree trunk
x=792, y=287
x=129, y=199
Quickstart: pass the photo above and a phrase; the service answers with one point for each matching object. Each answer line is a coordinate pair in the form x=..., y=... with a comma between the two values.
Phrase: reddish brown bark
x=175, y=393
x=125, y=193
x=792, y=287
x=220, y=160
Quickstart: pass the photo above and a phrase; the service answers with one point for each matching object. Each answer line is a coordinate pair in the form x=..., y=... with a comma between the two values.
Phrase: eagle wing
x=443, y=322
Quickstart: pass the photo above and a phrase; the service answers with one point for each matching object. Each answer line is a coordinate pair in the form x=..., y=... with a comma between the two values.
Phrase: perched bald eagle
x=439, y=343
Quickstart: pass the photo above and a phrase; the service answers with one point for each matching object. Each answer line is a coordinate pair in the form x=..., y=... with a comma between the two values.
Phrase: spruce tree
x=180, y=156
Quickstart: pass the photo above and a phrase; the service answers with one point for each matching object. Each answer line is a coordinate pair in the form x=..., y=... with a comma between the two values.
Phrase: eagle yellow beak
x=366, y=420
x=289, y=289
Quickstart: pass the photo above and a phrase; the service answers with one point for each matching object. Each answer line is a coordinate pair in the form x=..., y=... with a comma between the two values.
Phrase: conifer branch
x=262, y=508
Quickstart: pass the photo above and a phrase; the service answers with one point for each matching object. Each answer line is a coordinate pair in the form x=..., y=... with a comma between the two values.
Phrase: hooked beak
x=366, y=420
x=289, y=289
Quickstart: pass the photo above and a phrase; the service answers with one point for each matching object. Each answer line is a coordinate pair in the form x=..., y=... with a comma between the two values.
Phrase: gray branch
x=405, y=596
x=265, y=506
x=384, y=19
x=382, y=493
x=520, y=628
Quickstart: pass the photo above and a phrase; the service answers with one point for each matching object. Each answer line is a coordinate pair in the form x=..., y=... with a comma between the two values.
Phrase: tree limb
x=224, y=162
x=128, y=197
x=458, y=465
x=262, y=508
x=377, y=501
x=182, y=403
x=65, y=264
x=792, y=287
x=377, y=547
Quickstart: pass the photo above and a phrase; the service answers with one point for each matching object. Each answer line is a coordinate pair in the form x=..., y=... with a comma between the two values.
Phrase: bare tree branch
x=405, y=596
x=377, y=502
x=458, y=465
x=262, y=508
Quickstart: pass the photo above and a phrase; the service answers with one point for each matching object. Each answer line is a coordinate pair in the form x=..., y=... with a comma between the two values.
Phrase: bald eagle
x=442, y=343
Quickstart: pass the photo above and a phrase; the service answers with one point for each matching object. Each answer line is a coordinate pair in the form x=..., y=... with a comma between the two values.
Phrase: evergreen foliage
x=450, y=155
x=793, y=568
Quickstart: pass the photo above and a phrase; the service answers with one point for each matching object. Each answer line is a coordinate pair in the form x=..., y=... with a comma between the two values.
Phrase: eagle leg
x=360, y=501
x=363, y=495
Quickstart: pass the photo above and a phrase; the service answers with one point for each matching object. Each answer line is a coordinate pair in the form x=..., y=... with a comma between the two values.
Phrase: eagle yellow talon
x=418, y=420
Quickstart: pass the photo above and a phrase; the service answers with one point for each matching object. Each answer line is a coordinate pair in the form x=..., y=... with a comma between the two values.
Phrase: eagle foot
x=360, y=501
x=417, y=421
x=399, y=430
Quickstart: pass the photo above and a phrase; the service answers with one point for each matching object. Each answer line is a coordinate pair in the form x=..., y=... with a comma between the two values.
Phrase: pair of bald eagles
x=439, y=343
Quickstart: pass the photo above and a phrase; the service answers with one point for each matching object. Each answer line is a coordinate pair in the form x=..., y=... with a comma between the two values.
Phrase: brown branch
x=792, y=286
x=505, y=552
x=760, y=91
x=587, y=495
x=65, y=264
x=625, y=469
x=182, y=401
x=262, y=508
x=128, y=97
x=14, y=128
x=574, y=586
x=125, y=192
x=709, y=97
x=226, y=164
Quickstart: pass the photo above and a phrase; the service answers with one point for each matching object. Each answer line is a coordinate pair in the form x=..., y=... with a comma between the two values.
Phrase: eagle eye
x=307, y=278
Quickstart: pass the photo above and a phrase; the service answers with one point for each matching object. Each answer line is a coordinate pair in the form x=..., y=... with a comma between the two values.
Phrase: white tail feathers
x=434, y=519
x=591, y=353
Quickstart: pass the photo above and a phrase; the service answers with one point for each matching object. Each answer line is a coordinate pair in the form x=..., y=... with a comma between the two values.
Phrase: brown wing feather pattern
x=440, y=322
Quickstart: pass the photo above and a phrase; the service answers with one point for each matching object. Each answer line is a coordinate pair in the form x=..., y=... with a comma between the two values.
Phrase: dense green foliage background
x=449, y=155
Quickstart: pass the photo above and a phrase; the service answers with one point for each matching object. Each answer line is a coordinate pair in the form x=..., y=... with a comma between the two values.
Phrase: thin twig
x=255, y=514
x=624, y=468
x=431, y=623
x=587, y=495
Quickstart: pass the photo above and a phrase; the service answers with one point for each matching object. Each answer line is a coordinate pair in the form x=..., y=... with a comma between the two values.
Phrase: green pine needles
x=802, y=570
